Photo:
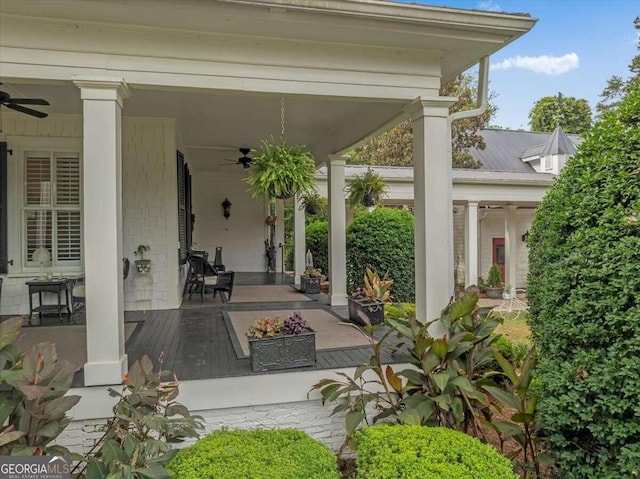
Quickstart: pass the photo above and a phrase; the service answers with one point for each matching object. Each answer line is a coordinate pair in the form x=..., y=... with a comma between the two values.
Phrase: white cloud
x=547, y=64
x=489, y=5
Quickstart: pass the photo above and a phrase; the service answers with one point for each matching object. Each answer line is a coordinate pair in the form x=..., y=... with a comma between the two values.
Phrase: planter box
x=494, y=293
x=374, y=311
x=283, y=352
x=309, y=284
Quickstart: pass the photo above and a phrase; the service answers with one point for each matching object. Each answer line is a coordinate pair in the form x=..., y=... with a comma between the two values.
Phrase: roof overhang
x=459, y=37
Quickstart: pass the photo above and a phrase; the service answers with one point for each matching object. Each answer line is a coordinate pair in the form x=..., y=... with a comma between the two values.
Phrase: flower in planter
x=313, y=272
x=143, y=265
x=265, y=328
x=295, y=324
x=374, y=289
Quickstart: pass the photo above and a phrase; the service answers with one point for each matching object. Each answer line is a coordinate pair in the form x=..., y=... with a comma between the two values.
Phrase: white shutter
x=38, y=229
x=37, y=179
x=67, y=179
x=68, y=236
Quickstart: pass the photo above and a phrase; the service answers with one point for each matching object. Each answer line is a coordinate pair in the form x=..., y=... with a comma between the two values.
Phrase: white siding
x=149, y=199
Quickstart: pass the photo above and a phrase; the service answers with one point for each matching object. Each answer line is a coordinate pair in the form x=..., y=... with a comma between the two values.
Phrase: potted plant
x=367, y=189
x=280, y=170
x=366, y=304
x=310, y=280
x=274, y=344
x=310, y=203
x=506, y=291
x=142, y=265
x=494, y=283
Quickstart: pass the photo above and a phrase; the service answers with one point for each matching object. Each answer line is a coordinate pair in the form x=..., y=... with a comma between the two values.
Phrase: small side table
x=56, y=286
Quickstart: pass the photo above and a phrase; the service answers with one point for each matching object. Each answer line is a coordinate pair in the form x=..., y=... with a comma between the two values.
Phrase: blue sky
x=573, y=49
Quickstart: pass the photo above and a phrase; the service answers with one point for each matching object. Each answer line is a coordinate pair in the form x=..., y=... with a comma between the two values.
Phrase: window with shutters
x=51, y=210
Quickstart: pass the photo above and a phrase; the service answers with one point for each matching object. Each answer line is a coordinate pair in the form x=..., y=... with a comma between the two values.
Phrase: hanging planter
x=310, y=203
x=366, y=190
x=280, y=170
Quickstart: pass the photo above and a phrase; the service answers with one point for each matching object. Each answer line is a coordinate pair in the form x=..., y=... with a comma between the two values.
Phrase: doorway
x=498, y=254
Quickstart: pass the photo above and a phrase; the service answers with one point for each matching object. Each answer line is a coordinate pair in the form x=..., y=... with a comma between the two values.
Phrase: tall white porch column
x=471, y=243
x=102, y=163
x=300, y=243
x=433, y=206
x=337, y=232
x=510, y=244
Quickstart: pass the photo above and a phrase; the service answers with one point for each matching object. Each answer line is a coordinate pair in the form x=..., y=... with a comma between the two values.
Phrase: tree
x=584, y=278
x=617, y=88
x=572, y=114
x=395, y=147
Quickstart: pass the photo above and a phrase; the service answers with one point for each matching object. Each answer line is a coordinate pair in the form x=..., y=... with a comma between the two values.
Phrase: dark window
x=3, y=207
x=182, y=209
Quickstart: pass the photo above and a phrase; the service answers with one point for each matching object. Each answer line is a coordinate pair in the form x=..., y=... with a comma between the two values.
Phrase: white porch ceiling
x=212, y=126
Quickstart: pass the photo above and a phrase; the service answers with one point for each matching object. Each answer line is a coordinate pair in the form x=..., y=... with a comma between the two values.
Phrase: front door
x=498, y=254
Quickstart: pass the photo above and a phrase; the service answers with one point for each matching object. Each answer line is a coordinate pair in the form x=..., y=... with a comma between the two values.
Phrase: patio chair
x=201, y=274
x=78, y=298
x=217, y=261
x=224, y=284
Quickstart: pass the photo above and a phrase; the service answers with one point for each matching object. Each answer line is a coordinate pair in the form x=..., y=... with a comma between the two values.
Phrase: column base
x=296, y=279
x=338, y=300
x=105, y=373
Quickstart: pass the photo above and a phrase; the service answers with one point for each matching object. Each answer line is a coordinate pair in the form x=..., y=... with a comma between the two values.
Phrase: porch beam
x=337, y=231
x=102, y=100
x=471, y=243
x=433, y=207
x=510, y=245
x=299, y=239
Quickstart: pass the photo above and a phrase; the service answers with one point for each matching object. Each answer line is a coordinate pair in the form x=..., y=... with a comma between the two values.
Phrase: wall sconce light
x=525, y=236
x=226, y=208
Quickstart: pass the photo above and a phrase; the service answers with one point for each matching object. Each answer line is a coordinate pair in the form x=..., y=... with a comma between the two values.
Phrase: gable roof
x=559, y=144
x=505, y=149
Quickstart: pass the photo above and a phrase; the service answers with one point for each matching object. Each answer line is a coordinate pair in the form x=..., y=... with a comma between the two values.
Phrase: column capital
x=511, y=207
x=436, y=106
x=102, y=88
x=473, y=203
x=337, y=160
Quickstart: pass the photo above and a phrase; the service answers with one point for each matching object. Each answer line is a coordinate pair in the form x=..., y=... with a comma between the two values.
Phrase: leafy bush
x=400, y=312
x=263, y=454
x=584, y=279
x=494, y=279
x=383, y=241
x=317, y=238
x=514, y=353
x=33, y=395
x=417, y=452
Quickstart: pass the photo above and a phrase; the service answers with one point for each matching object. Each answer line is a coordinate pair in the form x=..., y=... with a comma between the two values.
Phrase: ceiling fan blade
x=28, y=111
x=29, y=101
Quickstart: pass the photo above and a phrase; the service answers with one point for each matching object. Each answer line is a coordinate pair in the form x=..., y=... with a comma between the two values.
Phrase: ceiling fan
x=244, y=160
x=16, y=104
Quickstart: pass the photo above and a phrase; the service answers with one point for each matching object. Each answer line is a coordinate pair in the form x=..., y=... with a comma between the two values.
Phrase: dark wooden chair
x=217, y=261
x=201, y=274
x=224, y=284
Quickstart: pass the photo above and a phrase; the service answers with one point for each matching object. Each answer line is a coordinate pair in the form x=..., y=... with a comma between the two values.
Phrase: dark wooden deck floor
x=196, y=344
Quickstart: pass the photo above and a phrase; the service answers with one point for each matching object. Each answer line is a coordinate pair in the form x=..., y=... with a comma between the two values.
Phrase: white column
x=102, y=214
x=471, y=243
x=433, y=207
x=510, y=244
x=337, y=228
x=300, y=243
x=279, y=235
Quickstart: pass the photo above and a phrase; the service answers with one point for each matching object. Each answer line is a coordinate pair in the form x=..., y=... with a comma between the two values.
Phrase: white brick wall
x=149, y=204
x=308, y=416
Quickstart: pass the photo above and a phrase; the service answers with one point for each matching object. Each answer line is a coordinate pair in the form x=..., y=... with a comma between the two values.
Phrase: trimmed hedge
x=584, y=302
x=417, y=452
x=256, y=454
x=383, y=241
x=317, y=238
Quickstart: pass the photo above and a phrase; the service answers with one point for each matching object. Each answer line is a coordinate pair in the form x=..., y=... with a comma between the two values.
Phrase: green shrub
x=494, y=279
x=401, y=312
x=583, y=290
x=418, y=452
x=317, y=238
x=514, y=353
x=257, y=454
x=383, y=241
